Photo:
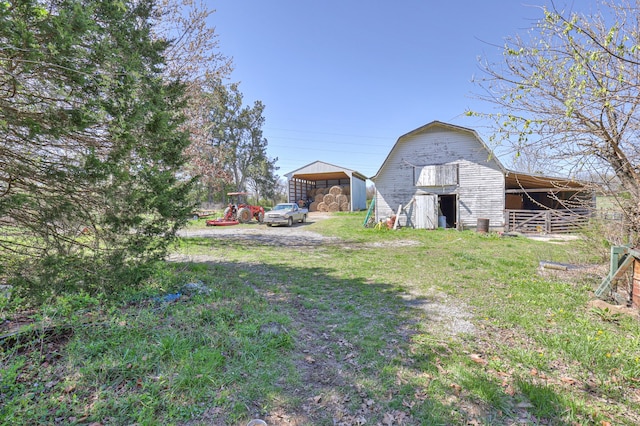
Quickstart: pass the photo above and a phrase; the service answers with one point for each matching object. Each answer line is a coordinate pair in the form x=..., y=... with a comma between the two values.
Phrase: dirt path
x=326, y=360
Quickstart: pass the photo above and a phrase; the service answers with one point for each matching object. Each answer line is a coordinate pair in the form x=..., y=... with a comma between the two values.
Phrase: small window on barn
x=440, y=175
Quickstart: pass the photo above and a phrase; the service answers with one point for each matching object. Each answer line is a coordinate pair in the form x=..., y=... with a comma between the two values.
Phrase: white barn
x=443, y=175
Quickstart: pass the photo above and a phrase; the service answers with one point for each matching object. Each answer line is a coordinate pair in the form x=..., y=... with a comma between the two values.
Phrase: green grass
x=363, y=330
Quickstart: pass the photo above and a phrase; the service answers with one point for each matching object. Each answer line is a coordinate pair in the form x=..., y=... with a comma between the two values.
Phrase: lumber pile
x=334, y=199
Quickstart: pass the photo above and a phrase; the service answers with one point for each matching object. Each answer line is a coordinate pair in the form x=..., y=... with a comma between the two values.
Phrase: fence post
x=547, y=219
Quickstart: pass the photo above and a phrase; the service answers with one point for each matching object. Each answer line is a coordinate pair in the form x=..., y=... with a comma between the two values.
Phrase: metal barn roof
x=319, y=170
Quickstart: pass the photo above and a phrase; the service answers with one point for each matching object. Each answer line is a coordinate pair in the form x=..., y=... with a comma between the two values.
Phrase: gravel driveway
x=296, y=235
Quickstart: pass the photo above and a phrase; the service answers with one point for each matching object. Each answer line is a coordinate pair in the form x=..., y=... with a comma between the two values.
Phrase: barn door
x=426, y=211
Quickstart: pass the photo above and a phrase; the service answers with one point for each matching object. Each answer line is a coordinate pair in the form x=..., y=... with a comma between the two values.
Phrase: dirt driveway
x=296, y=235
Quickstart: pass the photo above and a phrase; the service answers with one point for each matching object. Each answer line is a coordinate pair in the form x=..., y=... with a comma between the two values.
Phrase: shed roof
x=319, y=170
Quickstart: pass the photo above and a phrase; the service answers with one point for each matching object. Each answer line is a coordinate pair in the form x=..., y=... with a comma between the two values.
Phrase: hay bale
x=340, y=199
x=311, y=193
x=346, y=190
x=328, y=199
x=333, y=207
x=320, y=191
x=313, y=207
x=345, y=207
x=335, y=190
x=322, y=207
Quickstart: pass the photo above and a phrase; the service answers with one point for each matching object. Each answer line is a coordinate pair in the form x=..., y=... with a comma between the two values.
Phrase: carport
x=315, y=180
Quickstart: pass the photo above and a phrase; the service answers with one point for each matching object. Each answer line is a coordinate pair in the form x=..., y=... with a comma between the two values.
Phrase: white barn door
x=426, y=211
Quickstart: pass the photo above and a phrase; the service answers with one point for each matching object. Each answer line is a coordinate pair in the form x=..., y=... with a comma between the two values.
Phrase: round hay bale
x=328, y=199
x=335, y=190
x=311, y=193
x=344, y=207
x=346, y=190
x=340, y=199
x=322, y=207
x=333, y=207
x=313, y=207
x=320, y=191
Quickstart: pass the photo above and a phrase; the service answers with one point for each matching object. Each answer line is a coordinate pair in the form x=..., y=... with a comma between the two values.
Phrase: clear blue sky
x=341, y=80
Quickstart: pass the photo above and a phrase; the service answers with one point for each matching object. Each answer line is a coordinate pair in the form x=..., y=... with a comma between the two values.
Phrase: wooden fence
x=546, y=221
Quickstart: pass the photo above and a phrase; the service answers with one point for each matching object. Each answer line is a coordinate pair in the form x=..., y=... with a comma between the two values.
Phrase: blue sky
x=341, y=80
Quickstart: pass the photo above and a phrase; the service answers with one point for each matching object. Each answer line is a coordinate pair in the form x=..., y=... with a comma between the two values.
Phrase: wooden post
x=395, y=223
x=635, y=289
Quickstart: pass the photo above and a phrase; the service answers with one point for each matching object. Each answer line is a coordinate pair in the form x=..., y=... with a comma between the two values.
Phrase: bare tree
x=568, y=94
x=195, y=58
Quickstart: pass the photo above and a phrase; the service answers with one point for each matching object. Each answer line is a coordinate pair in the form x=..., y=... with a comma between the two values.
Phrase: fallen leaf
x=456, y=387
x=388, y=419
x=478, y=359
x=309, y=359
x=569, y=380
x=408, y=404
x=605, y=423
x=533, y=372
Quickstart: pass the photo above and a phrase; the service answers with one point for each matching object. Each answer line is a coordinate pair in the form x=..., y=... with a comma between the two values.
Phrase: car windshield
x=283, y=207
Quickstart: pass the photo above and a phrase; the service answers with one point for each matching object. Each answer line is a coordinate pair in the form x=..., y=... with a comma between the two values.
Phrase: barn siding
x=481, y=180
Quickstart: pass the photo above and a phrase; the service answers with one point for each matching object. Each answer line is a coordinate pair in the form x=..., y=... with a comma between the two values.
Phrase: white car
x=285, y=214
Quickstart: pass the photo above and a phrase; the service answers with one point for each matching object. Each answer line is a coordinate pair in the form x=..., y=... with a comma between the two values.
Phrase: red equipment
x=238, y=211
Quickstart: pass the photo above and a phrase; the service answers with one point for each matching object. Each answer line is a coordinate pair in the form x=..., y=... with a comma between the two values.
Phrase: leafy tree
x=570, y=95
x=236, y=147
x=89, y=194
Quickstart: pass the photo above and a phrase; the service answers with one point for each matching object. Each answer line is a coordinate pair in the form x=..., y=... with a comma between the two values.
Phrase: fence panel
x=546, y=221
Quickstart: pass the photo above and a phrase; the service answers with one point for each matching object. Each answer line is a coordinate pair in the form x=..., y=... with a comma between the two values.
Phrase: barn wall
x=480, y=186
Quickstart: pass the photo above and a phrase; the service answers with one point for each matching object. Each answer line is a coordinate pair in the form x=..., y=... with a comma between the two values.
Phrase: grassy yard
x=405, y=327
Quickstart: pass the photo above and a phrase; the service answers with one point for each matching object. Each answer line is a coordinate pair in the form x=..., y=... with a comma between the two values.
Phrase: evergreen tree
x=91, y=145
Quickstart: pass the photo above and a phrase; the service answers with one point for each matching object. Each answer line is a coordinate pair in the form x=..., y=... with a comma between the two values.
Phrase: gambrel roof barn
x=443, y=175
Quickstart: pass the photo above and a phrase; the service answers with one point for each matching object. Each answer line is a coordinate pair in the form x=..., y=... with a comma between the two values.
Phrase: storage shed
x=311, y=183
x=443, y=175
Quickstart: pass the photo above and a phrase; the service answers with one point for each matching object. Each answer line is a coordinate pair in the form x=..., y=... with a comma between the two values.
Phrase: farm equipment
x=238, y=211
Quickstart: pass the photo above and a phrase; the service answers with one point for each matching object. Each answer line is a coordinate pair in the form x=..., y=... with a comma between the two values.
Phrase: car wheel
x=304, y=218
x=196, y=217
x=269, y=225
x=290, y=222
